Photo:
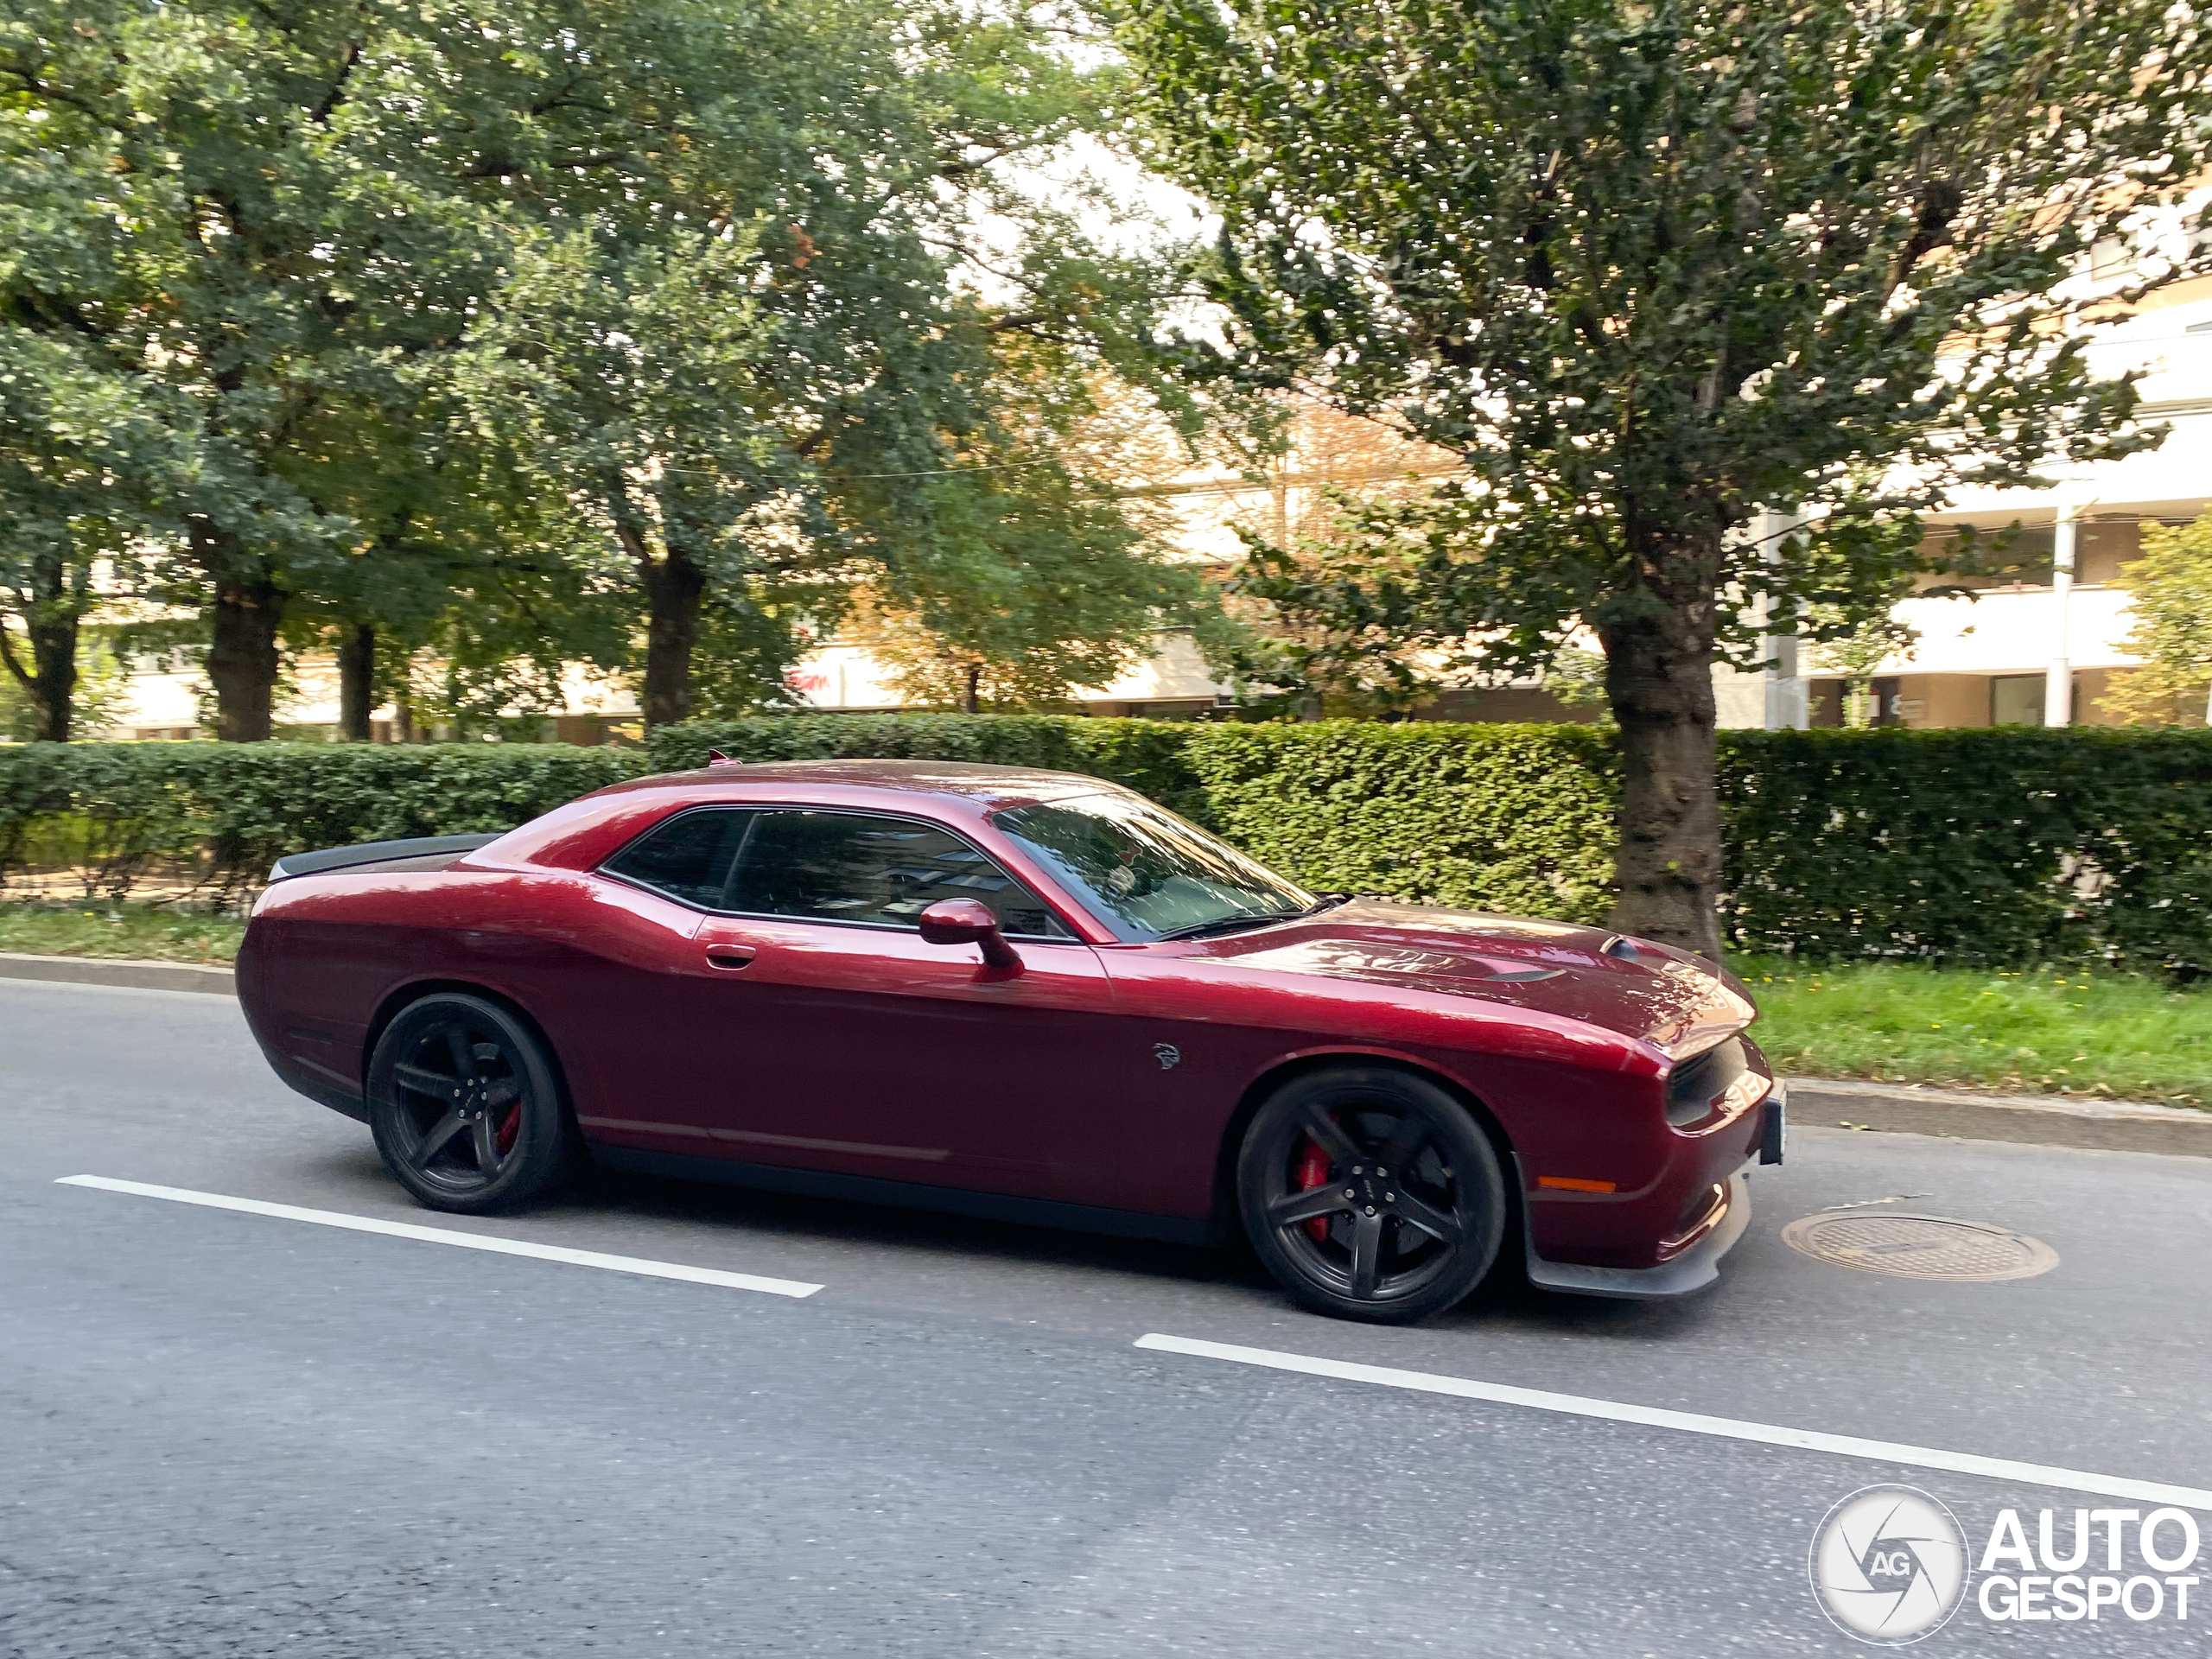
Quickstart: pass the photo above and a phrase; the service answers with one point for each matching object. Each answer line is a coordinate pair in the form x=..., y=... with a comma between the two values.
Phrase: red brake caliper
x=510, y=1127
x=1312, y=1171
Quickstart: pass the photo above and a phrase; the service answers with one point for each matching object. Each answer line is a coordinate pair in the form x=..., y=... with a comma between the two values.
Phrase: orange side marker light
x=1571, y=1183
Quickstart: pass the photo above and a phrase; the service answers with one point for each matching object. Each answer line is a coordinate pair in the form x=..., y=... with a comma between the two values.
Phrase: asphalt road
x=231, y=1435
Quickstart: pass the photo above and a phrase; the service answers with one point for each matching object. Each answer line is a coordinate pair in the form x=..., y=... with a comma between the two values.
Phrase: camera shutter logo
x=1889, y=1565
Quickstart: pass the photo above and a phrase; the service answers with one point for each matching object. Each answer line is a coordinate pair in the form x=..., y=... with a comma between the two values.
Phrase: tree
x=776, y=375
x=1038, y=565
x=271, y=223
x=2172, y=589
x=100, y=698
x=71, y=444
x=1648, y=269
x=236, y=216
x=1040, y=590
x=677, y=305
x=49, y=556
x=50, y=590
x=1860, y=652
x=1327, y=465
x=651, y=389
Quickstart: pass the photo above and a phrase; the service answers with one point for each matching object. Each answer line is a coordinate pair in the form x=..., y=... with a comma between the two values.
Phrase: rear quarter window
x=690, y=857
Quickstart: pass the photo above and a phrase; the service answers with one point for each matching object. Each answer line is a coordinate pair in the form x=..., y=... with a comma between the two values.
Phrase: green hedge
x=1511, y=818
x=222, y=812
x=1146, y=755
x=1498, y=818
x=1991, y=847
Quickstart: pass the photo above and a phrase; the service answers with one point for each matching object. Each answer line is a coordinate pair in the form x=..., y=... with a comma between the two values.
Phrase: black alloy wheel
x=1372, y=1194
x=466, y=1108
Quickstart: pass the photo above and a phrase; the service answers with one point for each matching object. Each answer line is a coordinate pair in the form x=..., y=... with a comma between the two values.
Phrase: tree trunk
x=402, y=701
x=972, y=693
x=54, y=677
x=357, y=679
x=51, y=680
x=1659, y=681
x=242, y=659
x=673, y=588
x=51, y=606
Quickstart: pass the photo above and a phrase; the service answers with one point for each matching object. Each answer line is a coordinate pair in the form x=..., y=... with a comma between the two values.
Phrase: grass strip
x=2039, y=1031
x=146, y=932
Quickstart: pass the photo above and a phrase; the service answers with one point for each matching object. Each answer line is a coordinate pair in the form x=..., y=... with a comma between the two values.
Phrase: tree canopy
x=1648, y=269
x=541, y=330
x=2171, y=588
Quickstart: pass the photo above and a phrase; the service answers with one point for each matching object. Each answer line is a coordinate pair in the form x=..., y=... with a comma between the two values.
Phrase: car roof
x=989, y=788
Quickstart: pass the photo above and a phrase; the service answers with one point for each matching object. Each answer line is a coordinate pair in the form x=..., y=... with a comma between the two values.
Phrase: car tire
x=467, y=1106
x=1370, y=1193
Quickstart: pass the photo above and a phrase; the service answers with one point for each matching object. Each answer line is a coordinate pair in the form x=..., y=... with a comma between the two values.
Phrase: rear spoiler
x=423, y=853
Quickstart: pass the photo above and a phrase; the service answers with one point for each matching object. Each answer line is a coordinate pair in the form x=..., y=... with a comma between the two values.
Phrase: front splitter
x=1694, y=1269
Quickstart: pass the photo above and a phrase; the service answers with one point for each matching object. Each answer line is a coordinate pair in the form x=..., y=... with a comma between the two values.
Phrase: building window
x=2015, y=700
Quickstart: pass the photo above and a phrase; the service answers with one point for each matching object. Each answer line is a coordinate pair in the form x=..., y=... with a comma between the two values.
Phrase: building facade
x=2043, y=647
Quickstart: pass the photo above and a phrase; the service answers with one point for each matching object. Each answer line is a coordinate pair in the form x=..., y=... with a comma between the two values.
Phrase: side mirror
x=968, y=921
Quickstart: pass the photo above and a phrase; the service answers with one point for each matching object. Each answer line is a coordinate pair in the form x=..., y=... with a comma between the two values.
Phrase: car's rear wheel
x=1371, y=1194
x=465, y=1107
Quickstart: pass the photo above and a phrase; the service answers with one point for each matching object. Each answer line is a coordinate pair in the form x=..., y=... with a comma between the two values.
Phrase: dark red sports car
x=1025, y=994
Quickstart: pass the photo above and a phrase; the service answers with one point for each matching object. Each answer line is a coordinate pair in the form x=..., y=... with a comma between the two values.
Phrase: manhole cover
x=1921, y=1247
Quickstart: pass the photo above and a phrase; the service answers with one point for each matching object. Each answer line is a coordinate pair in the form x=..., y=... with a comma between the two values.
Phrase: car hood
x=1680, y=1003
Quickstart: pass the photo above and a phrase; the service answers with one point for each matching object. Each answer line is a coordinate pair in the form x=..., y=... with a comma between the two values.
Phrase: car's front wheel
x=465, y=1107
x=1371, y=1194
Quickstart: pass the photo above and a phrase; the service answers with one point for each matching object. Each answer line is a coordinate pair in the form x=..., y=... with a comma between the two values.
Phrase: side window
x=841, y=866
x=689, y=857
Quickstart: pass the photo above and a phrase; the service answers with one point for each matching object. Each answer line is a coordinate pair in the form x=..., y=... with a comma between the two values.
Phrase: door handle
x=731, y=955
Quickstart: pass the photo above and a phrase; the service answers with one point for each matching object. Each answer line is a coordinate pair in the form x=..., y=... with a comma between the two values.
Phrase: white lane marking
x=446, y=1235
x=1690, y=1422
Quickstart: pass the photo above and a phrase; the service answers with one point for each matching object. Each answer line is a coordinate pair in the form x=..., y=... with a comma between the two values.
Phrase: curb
x=2041, y=1120
x=124, y=971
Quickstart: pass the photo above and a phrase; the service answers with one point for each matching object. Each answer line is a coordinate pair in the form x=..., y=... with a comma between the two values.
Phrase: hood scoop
x=1357, y=959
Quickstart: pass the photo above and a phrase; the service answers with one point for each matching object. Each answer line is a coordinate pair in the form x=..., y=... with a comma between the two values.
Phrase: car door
x=822, y=1032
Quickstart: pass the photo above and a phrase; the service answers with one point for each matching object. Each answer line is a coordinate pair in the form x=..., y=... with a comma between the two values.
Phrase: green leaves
x=2172, y=590
x=1505, y=818
x=257, y=232
x=1995, y=846
x=225, y=812
x=525, y=327
x=1648, y=270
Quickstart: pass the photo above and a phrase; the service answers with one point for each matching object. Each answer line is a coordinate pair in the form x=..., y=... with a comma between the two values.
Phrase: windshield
x=1144, y=872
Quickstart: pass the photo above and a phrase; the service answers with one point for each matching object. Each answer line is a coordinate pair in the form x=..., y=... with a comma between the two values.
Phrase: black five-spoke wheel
x=464, y=1103
x=1371, y=1194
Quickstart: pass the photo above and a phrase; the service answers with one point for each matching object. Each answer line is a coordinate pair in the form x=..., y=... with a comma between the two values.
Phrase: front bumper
x=1698, y=1266
x=1694, y=1269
